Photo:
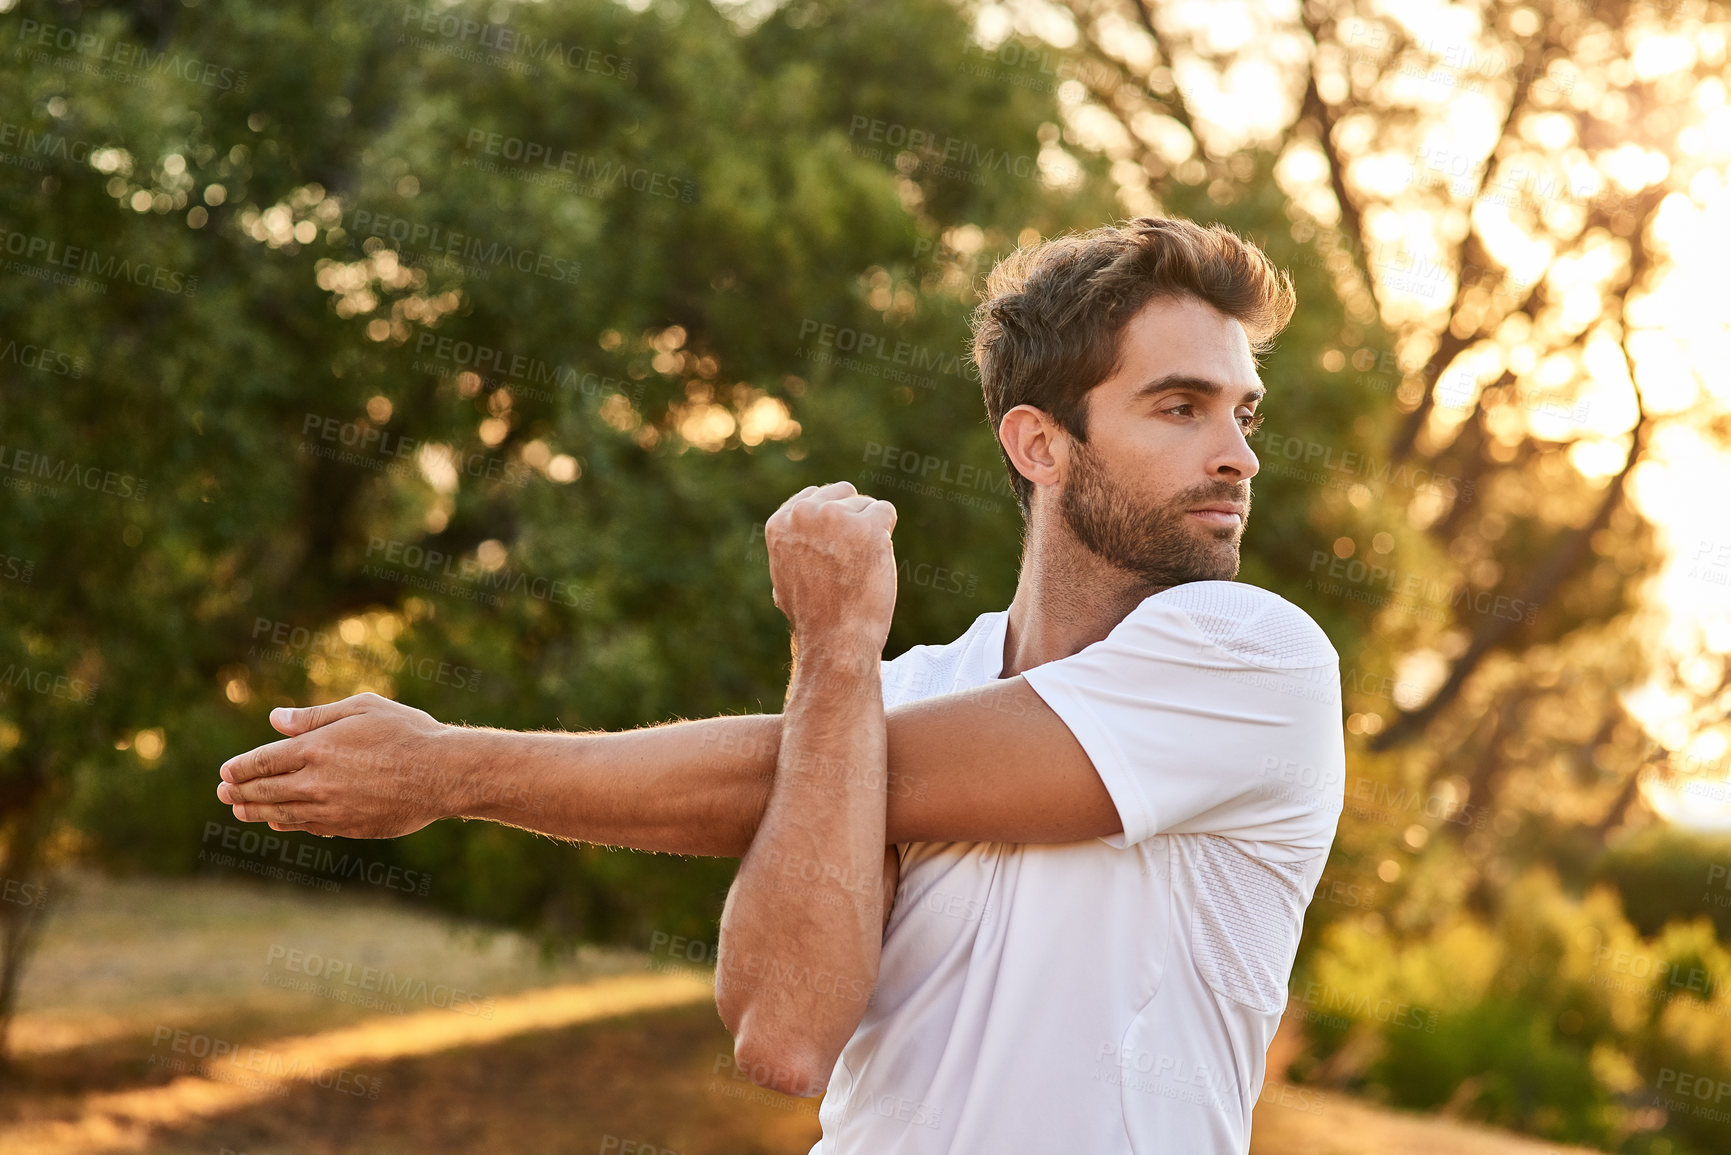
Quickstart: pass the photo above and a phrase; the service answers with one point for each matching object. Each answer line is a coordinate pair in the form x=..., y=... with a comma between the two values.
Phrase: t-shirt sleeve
x=1212, y=708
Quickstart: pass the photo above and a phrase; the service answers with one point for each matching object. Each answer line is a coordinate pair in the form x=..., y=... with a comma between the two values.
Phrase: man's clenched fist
x=832, y=565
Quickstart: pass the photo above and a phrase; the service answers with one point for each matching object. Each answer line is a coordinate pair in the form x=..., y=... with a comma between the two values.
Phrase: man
x=1036, y=890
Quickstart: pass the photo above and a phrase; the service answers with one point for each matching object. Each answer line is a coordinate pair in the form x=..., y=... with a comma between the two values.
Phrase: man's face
x=1161, y=488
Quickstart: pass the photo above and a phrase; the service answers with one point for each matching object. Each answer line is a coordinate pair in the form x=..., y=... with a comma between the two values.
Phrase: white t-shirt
x=1118, y=995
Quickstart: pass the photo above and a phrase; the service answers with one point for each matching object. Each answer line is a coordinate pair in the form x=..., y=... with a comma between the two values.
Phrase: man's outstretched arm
x=803, y=928
x=991, y=764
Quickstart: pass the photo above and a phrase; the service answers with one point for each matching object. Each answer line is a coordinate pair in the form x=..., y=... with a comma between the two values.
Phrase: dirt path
x=146, y=1028
x=584, y=1068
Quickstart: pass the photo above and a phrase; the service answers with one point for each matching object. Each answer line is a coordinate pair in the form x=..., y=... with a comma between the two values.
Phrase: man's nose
x=1234, y=457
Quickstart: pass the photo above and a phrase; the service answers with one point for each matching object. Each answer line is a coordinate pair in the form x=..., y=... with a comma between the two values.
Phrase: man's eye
x=1184, y=405
x=1252, y=421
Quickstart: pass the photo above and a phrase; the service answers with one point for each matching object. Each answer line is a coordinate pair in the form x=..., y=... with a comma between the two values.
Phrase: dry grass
x=592, y=1054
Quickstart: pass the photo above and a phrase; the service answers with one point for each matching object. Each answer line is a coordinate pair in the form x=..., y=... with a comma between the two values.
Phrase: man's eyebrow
x=1175, y=381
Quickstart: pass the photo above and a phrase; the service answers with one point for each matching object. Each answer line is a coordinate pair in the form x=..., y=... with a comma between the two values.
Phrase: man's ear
x=1035, y=444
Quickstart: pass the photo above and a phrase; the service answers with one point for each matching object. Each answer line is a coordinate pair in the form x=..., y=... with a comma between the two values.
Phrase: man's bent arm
x=803, y=927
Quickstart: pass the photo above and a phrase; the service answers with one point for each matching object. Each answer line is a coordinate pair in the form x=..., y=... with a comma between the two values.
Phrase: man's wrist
x=458, y=762
x=848, y=652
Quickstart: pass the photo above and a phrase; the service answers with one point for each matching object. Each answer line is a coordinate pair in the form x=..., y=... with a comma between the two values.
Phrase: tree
x=458, y=360
x=1503, y=201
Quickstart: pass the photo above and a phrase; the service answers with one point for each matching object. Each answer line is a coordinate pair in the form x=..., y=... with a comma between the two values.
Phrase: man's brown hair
x=1048, y=329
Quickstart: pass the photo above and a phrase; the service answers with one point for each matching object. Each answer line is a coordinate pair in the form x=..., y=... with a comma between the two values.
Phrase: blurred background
x=459, y=351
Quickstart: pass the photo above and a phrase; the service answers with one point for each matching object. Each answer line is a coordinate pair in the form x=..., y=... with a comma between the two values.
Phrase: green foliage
x=281, y=377
x=618, y=277
x=1553, y=1016
x=790, y=217
x=1504, y=1057
x=1665, y=873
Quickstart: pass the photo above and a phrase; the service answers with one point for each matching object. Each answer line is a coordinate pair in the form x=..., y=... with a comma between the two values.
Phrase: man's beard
x=1159, y=545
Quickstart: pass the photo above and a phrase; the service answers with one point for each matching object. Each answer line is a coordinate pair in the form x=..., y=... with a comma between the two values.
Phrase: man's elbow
x=791, y=1067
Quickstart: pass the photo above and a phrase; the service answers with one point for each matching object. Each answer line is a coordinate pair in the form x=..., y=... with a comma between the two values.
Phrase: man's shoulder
x=1253, y=623
x=925, y=671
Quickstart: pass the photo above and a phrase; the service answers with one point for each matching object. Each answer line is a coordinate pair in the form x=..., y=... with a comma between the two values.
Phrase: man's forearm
x=697, y=787
x=803, y=926
x=991, y=764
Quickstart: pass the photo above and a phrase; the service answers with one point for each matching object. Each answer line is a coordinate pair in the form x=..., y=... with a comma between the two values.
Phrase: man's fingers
x=796, y=498
x=875, y=507
x=280, y=788
x=292, y=720
x=283, y=756
x=318, y=829
x=828, y=492
x=287, y=813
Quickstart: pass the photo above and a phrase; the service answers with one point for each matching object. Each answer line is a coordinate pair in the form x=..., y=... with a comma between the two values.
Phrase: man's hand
x=360, y=767
x=833, y=567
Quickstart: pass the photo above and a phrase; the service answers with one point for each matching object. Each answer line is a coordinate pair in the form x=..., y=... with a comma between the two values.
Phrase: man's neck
x=1067, y=598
